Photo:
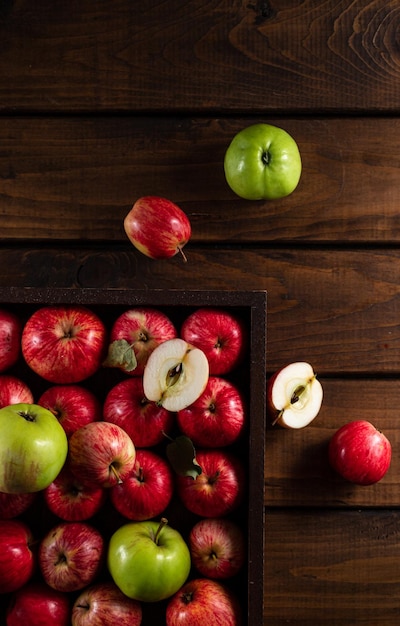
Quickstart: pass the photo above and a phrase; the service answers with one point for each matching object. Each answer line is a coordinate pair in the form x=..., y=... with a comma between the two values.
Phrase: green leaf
x=122, y=355
x=182, y=456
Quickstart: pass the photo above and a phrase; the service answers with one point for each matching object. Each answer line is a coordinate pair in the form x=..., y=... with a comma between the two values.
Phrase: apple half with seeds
x=175, y=375
x=294, y=395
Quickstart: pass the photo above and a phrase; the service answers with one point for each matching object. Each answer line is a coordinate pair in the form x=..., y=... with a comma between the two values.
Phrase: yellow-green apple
x=220, y=334
x=141, y=329
x=148, y=489
x=157, y=227
x=73, y=405
x=176, y=374
x=219, y=489
x=360, y=453
x=10, y=339
x=37, y=604
x=217, y=547
x=71, y=500
x=13, y=390
x=202, y=601
x=64, y=344
x=149, y=561
x=262, y=162
x=17, y=561
x=217, y=418
x=71, y=555
x=104, y=604
x=33, y=448
x=14, y=504
x=294, y=395
x=101, y=454
x=146, y=422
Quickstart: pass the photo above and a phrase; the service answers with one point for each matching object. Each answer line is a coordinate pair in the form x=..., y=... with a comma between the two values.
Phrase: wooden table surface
x=103, y=102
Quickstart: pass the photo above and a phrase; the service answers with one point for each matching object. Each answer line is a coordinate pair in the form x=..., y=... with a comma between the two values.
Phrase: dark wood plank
x=333, y=568
x=76, y=178
x=218, y=55
x=337, y=309
x=297, y=466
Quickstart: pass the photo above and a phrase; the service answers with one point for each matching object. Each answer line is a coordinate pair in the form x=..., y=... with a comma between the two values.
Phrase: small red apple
x=73, y=405
x=104, y=604
x=157, y=227
x=220, y=334
x=360, y=453
x=17, y=561
x=13, y=390
x=10, y=339
x=14, y=504
x=202, y=601
x=217, y=547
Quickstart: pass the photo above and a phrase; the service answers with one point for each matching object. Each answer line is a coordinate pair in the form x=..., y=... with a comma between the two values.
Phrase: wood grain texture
x=76, y=178
x=219, y=55
x=297, y=467
x=332, y=567
x=338, y=309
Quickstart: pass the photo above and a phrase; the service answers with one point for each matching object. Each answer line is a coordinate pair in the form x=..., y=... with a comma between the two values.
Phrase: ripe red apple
x=217, y=547
x=64, y=344
x=101, y=454
x=147, y=491
x=157, y=227
x=145, y=422
x=17, y=561
x=202, y=601
x=71, y=556
x=73, y=405
x=13, y=390
x=10, y=339
x=71, y=500
x=14, y=504
x=104, y=604
x=143, y=329
x=219, y=489
x=37, y=604
x=360, y=453
x=220, y=334
x=217, y=417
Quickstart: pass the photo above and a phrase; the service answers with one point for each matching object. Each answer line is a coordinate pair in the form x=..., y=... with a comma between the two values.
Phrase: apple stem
x=182, y=253
x=116, y=474
x=163, y=522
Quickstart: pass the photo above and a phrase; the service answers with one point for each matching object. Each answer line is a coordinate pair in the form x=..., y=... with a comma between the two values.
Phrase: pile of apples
x=122, y=467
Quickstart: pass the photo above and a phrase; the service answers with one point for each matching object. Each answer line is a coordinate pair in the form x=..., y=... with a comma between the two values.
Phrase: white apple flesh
x=294, y=395
x=176, y=374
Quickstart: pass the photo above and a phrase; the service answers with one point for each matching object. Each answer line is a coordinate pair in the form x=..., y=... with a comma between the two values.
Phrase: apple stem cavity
x=163, y=522
x=29, y=417
x=266, y=157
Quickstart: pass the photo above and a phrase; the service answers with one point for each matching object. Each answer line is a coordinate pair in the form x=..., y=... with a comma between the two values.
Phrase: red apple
x=147, y=491
x=220, y=334
x=10, y=339
x=73, y=405
x=37, y=604
x=14, y=391
x=17, y=561
x=157, y=227
x=101, y=454
x=71, y=500
x=104, y=604
x=219, y=489
x=145, y=422
x=64, y=344
x=360, y=453
x=202, y=601
x=217, y=547
x=71, y=556
x=14, y=504
x=217, y=417
x=143, y=329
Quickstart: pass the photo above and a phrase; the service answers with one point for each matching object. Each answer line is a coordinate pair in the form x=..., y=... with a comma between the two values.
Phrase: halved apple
x=175, y=375
x=294, y=395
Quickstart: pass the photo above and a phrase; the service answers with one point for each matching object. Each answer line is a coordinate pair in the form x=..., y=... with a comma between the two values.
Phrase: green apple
x=149, y=561
x=33, y=448
x=262, y=162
